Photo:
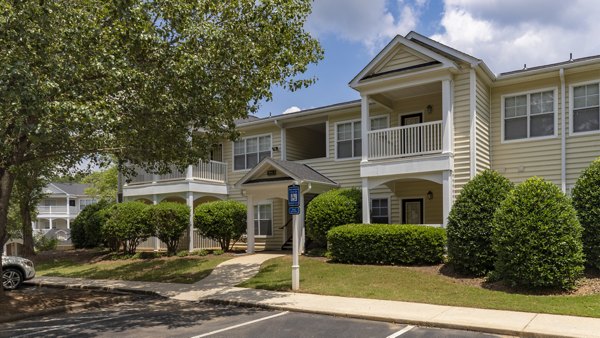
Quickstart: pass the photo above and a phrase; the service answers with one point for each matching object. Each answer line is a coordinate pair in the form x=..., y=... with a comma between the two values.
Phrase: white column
x=50, y=221
x=366, y=210
x=249, y=224
x=447, y=192
x=297, y=242
x=302, y=217
x=447, y=117
x=283, y=145
x=68, y=207
x=189, y=175
x=190, y=203
x=364, y=126
x=68, y=223
x=156, y=240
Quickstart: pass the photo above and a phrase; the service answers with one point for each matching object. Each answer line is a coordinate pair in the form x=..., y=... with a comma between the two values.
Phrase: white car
x=15, y=270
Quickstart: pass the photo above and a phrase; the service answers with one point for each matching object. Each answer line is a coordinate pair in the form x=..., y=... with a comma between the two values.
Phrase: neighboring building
x=430, y=117
x=62, y=204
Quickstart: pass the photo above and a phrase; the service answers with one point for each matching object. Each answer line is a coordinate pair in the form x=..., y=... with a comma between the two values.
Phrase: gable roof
x=295, y=171
x=68, y=188
x=428, y=57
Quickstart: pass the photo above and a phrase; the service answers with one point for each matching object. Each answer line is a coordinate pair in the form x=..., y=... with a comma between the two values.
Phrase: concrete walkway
x=220, y=288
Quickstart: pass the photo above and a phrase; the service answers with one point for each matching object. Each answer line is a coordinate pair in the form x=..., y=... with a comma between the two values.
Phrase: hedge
x=586, y=200
x=86, y=229
x=537, y=237
x=330, y=209
x=169, y=220
x=386, y=244
x=222, y=221
x=470, y=223
x=127, y=226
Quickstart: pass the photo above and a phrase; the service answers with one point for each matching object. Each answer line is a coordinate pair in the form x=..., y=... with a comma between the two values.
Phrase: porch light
x=429, y=195
x=429, y=109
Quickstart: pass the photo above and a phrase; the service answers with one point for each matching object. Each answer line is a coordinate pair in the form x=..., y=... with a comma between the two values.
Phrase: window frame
x=257, y=137
x=572, y=106
x=335, y=134
x=528, y=93
x=389, y=207
x=256, y=215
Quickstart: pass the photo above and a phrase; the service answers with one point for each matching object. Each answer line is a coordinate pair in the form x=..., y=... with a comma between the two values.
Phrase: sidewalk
x=219, y=289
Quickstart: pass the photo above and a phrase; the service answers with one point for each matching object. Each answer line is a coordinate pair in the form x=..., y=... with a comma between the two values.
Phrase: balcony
x=212, y=171
x=61, y=209
x=406, y=141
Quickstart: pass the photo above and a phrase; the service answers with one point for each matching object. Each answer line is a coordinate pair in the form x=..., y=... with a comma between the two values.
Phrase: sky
x=505, y=34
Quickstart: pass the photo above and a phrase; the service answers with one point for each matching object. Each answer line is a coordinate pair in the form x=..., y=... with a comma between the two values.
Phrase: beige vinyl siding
x=519, y=160
x=301, y=142
x=462, y=122
x=418, y=104
x=402, y=58
x=482, y=126
x=432, y=209
x=581, y=149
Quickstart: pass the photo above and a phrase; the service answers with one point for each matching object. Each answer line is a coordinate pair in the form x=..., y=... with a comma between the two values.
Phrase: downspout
x=282, y=141
x=563, y=139
x=303, y=237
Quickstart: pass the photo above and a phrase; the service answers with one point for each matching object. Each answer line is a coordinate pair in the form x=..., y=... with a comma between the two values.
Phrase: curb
x=93, y=287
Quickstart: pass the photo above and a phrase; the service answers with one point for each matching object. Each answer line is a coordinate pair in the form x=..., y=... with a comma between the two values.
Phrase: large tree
x=103, y=184
x=137, y=79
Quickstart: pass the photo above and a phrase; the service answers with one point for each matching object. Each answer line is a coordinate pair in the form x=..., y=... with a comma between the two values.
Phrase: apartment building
x=429, y=118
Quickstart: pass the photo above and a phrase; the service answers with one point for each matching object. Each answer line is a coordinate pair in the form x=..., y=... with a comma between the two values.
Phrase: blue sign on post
x=294, y=210
x=294, y=195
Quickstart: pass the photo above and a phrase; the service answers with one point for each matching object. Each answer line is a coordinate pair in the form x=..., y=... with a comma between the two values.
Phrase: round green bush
x=86, y=228
x=169, y=220
x=470, y=223
x=586, y=200
x=330, y=209
x=127, y=226
x=221, y=221
x=537, y=237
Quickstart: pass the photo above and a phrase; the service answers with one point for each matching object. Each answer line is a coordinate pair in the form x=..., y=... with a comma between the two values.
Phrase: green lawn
x=399, y=283
x=167, y=270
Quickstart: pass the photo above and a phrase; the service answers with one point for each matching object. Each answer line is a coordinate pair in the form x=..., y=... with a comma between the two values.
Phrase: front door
x=413, y=138
x=407, y=120
x=412, y=211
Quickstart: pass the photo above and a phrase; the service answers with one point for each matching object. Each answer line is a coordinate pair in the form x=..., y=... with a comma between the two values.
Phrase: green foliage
x=127, y=225
x=537, y=237
x=86, y=228
x=222, y=221
x=103, y=184
x=146, y=255
x=169, y=220
x=44, y=243
x=586, y=200
x=218, y=252
x=386, y=244
x=202, y=252
x=183, y=253
x=330, y=209
x=470, y=223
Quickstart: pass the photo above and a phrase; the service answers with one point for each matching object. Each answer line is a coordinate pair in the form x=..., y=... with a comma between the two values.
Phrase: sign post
x=295, y=208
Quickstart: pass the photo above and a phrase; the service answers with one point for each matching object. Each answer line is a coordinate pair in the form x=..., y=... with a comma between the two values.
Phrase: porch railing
x=209, y=171
x=44, y=209
x=416, y=139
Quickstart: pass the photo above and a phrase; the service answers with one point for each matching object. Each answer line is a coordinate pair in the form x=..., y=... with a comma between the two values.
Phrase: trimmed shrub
x=586, y=200
x=537, y=237
x=386, y=244
x=169, y=220
x=330, y=209
x=127, y=226
x=470, y=223
x=86, y=229
x=44, y=243
x=222, y=221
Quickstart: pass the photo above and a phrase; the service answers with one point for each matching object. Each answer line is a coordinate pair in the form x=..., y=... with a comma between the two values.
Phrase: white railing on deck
x=416, y=139
x=212, y=171
x=175, y=174
x=141, y=177
x=43, y=209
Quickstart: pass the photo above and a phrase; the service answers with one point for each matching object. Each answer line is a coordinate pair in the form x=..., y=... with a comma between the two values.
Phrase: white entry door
x=412, y=211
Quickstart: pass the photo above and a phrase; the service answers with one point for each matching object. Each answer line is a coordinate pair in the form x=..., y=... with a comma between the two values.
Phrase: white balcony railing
x=60, y=209
x=207, y=171
x=416, y=139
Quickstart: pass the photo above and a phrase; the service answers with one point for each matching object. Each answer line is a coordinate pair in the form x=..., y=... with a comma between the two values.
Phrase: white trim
x=385, y=84
x=258, y=150
x=528, y=116
x=327, y=151
x=353, y=138
x=378, y=116
x=571, y=107
x=283, y=144
x=473, y=126
x=257, y=204
x=563, y=133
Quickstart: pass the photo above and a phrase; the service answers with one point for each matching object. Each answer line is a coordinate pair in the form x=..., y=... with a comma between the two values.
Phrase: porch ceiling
x=420, y=90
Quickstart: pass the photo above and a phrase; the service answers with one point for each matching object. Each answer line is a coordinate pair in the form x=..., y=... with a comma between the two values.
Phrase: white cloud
x=370, y=22
x=507, y=34
x=291, y=109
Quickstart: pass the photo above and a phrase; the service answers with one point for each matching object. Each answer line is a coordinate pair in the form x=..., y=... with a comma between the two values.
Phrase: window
x=380, y=210
x=249, y=151
x=85, y=202
x=586, y=110
x=71, y=203
x=349, y=137
x=529, y=115
x=263, y=220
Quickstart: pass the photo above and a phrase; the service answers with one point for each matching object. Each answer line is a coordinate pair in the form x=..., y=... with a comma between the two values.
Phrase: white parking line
x=401, y=332
x=240, y=325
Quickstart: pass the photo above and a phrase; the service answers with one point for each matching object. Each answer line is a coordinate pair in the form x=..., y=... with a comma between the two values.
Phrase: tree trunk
x=7, y=181
x=26, y=228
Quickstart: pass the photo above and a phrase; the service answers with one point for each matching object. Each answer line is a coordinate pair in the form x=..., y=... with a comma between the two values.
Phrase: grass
x=167, y=270
x=404, y=284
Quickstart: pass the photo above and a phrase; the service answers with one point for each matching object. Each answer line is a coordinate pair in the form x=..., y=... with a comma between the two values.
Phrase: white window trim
x=245, y=138
x=381, y=197
x=335, y=140
x=571, y=106
x=411, y=113
x=268, y=202
x=373, y=117
x=528, y=138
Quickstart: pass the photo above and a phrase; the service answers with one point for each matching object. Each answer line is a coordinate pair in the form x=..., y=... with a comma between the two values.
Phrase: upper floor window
x=586, y=108
x=249, y=151
x=379, y=122
x=85, y=202
x=529, y=115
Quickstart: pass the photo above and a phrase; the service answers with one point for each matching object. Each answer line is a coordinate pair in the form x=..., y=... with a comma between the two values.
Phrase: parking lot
x=159, y=317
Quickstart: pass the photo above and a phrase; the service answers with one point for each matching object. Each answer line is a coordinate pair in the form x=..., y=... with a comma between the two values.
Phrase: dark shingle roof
x=302, y=171
x=72, y=188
